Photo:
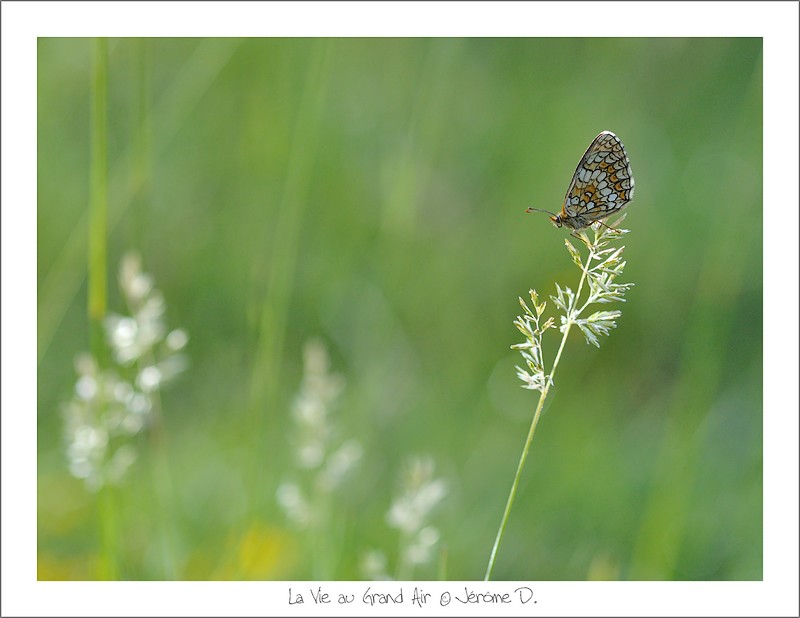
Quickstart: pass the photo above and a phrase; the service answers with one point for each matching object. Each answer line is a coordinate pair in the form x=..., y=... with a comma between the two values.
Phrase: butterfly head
x=556, y=219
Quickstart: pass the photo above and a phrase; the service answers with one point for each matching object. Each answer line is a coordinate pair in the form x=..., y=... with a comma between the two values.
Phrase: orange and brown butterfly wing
x=602, y=183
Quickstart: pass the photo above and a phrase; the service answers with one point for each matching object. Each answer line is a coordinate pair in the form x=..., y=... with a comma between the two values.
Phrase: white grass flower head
x=530, y=325
x=318, y=394
x=420, y=493
x=104, y=409
x=112, y=404
x=374, y=565
x=410, y=512
x=420, y=550
x=323, y=459
x=143, y=333
x=294, y=503
x=339, y=464
x=599, y=272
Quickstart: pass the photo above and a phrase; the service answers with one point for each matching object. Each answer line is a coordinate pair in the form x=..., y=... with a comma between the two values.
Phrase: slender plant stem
x=141, y=141
x=98, y=203
x=160, y=473
x=163, y=488
x=321, y=537
x=265, y=385
x=108, y=534
x=97, y=268
x=403, y=571
x=514, y=485
x=571, y=314
x=442, y=568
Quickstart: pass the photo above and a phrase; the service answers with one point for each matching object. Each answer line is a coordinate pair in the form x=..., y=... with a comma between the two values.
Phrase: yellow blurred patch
x=51, y=567
x=603, y=568
x=262, y=552
x=63, y=505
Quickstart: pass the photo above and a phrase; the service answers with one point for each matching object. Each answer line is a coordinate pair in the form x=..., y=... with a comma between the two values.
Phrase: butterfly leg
x=613, y=229
x=581, y=238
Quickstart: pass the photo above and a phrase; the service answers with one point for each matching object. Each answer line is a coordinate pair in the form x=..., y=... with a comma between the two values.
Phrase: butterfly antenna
x=532, y=209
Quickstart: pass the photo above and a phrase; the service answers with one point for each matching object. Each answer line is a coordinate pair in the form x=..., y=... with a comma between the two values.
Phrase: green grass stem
x=62, y=281
x=534, y=423
x=97, y=273
x=98, y=202
x=283, y=255
x=141, y=181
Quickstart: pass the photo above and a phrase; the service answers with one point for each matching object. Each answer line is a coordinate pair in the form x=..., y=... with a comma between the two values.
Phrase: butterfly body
x=575, y=222
x=601, y=185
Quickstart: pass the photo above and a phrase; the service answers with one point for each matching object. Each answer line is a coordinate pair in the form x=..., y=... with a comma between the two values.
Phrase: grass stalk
x=108, y=569
x=602, y=289
x=98, y=203
x=267, y=367
x=529, y=440
x=160, y=473
x=141, y=144
x=97, y=297
x=163, y=490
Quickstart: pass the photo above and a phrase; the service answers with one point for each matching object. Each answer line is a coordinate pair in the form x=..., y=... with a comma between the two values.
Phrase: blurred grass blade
x=97, y=269
x=142, y=142
x=98, y=201
x=283, y=255
x=60, y=285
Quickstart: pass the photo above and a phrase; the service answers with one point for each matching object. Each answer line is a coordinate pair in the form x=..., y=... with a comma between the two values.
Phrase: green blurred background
x=371, y=193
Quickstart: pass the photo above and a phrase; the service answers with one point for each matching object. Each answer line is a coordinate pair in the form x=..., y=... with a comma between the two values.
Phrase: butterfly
x=602, y=185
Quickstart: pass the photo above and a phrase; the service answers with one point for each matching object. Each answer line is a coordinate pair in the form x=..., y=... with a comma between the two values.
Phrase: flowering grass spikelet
x=598, y=285
x=420, y=492
x=528, y=324
x=599, y=271
x=323, y=459
x=110, y=405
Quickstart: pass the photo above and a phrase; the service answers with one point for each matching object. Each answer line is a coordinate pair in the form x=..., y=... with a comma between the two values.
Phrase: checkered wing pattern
x=602, y=184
